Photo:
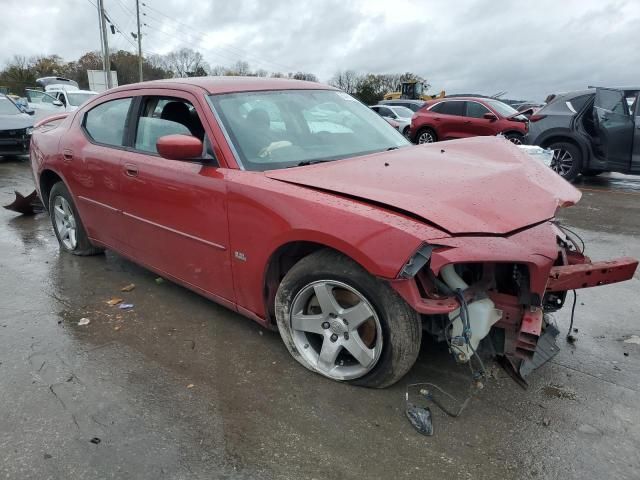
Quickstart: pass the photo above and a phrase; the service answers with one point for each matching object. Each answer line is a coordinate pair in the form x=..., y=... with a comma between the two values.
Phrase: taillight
x=536, y=117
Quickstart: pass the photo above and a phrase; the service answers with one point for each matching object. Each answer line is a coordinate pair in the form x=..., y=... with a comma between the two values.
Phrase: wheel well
x=48, y=179
x=509, y=132
x=426, y=127
x=281, y=261
x=560, y=138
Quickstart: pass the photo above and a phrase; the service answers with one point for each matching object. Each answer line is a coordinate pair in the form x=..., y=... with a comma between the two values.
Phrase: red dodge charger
x=297, y=206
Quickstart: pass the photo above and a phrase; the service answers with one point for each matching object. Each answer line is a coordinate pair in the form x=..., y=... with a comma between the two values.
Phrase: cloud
x=528, y=49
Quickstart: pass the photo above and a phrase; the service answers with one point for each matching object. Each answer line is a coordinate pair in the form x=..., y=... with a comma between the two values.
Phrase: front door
x=474, y=122
x=175, y=211
x=614, y=128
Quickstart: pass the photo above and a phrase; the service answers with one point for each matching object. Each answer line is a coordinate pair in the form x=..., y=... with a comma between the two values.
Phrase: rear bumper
x=14, y=147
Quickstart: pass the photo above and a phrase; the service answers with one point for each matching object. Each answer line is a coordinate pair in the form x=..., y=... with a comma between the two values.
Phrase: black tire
x=400, y=324
x=426, y=132
x=591, y=173
x=515, y=138
x=83, y=246
x=560, y=150
x=405, y=132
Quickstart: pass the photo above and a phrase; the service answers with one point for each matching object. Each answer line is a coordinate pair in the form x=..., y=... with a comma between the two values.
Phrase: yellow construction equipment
x=412, y=90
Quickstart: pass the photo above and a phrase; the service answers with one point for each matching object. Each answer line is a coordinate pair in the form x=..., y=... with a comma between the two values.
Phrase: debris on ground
x=125, y=306
x=626, y=354
x=617, y=368
x=420, y=418
x=114, y=301
x=159, y=280
x=29, y=205
x=635, y=339
x=191, y=385
x=117, y=327
x=558, y=391
x=572, y=339
x=95, y=440
x=83, y=321
x=546, y=421
x=128, y=288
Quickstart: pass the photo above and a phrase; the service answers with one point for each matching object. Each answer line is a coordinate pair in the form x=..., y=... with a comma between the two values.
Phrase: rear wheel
x=427, y=135
x=67, y=224
x=567, y=160
x=339, y=321
x=515, y=138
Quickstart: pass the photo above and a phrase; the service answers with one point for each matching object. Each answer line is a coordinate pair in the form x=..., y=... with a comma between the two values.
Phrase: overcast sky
x=528, y=48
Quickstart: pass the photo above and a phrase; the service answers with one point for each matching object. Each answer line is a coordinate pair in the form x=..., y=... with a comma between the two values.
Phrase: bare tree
x=186, y=63
x=347, y=81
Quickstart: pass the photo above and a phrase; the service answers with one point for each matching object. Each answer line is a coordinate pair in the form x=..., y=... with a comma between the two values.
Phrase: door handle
x=130, y=170
x=67, y=155
x=467, y=122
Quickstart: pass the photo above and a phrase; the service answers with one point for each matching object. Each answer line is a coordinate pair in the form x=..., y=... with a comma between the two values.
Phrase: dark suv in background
x=590, y=131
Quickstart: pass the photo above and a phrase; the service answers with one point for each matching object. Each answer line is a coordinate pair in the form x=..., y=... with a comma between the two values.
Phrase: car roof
x=400, y=100
x=223, y=84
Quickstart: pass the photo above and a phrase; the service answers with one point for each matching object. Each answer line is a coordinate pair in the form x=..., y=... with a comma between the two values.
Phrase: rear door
x=635, y=156
x=175, y=211
x=474, y=122
x=614, y=127
x=92, y=164
x=448, y=119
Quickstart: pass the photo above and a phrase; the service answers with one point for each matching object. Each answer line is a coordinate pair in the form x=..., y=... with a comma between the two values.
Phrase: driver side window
x=162, y=116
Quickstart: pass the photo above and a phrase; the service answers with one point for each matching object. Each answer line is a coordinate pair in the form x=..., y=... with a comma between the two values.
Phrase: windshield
x=7, y=107
x=77, y=99
x=502, y=108
x=279, y=129
x=402, y=112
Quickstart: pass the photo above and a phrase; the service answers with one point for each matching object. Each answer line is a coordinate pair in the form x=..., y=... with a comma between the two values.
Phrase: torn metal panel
x=584, y=275
x=29, y=205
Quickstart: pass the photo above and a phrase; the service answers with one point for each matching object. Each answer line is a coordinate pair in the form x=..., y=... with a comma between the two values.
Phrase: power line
x=234, y=50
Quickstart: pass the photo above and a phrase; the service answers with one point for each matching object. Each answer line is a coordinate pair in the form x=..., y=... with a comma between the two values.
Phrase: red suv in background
x=460, y=117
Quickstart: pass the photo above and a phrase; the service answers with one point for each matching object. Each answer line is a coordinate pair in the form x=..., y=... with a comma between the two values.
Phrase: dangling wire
x=573, y=311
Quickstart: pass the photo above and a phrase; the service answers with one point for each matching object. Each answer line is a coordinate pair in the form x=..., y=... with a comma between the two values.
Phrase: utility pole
x=139, y=40
x=106, y=62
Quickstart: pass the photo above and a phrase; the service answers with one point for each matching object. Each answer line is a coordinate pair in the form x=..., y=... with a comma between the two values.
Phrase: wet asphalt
x=180, y=388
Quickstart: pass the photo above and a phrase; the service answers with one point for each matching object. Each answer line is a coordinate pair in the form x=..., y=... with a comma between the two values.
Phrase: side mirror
x=179, y=147
x=29, y=111
x=57, y=103
x=490, y=116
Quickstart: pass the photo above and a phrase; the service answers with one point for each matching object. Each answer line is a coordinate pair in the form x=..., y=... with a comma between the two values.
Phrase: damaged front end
x=469, y=288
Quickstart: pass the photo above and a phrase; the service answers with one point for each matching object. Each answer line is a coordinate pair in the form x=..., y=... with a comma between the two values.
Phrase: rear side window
x=579, y=102
x=106, y=123
x=450, y=108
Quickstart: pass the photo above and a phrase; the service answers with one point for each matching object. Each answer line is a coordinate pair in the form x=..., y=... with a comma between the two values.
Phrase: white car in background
x=71, y=99
x=400, y=115
x=42, y=103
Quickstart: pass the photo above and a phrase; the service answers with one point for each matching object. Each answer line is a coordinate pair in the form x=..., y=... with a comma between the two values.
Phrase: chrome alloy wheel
x=426, y=137
x=515, y=140
x=561, y=162
x=336, y=329
x=65, y=223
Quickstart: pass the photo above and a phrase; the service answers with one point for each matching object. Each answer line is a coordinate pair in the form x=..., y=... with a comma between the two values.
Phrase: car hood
x=482, y=185
x=15, y=122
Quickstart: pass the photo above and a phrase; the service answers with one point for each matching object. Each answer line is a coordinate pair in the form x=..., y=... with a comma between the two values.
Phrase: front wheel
x=514, y=138
x=566, y=160
x=67, y=224
x=339, y=321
